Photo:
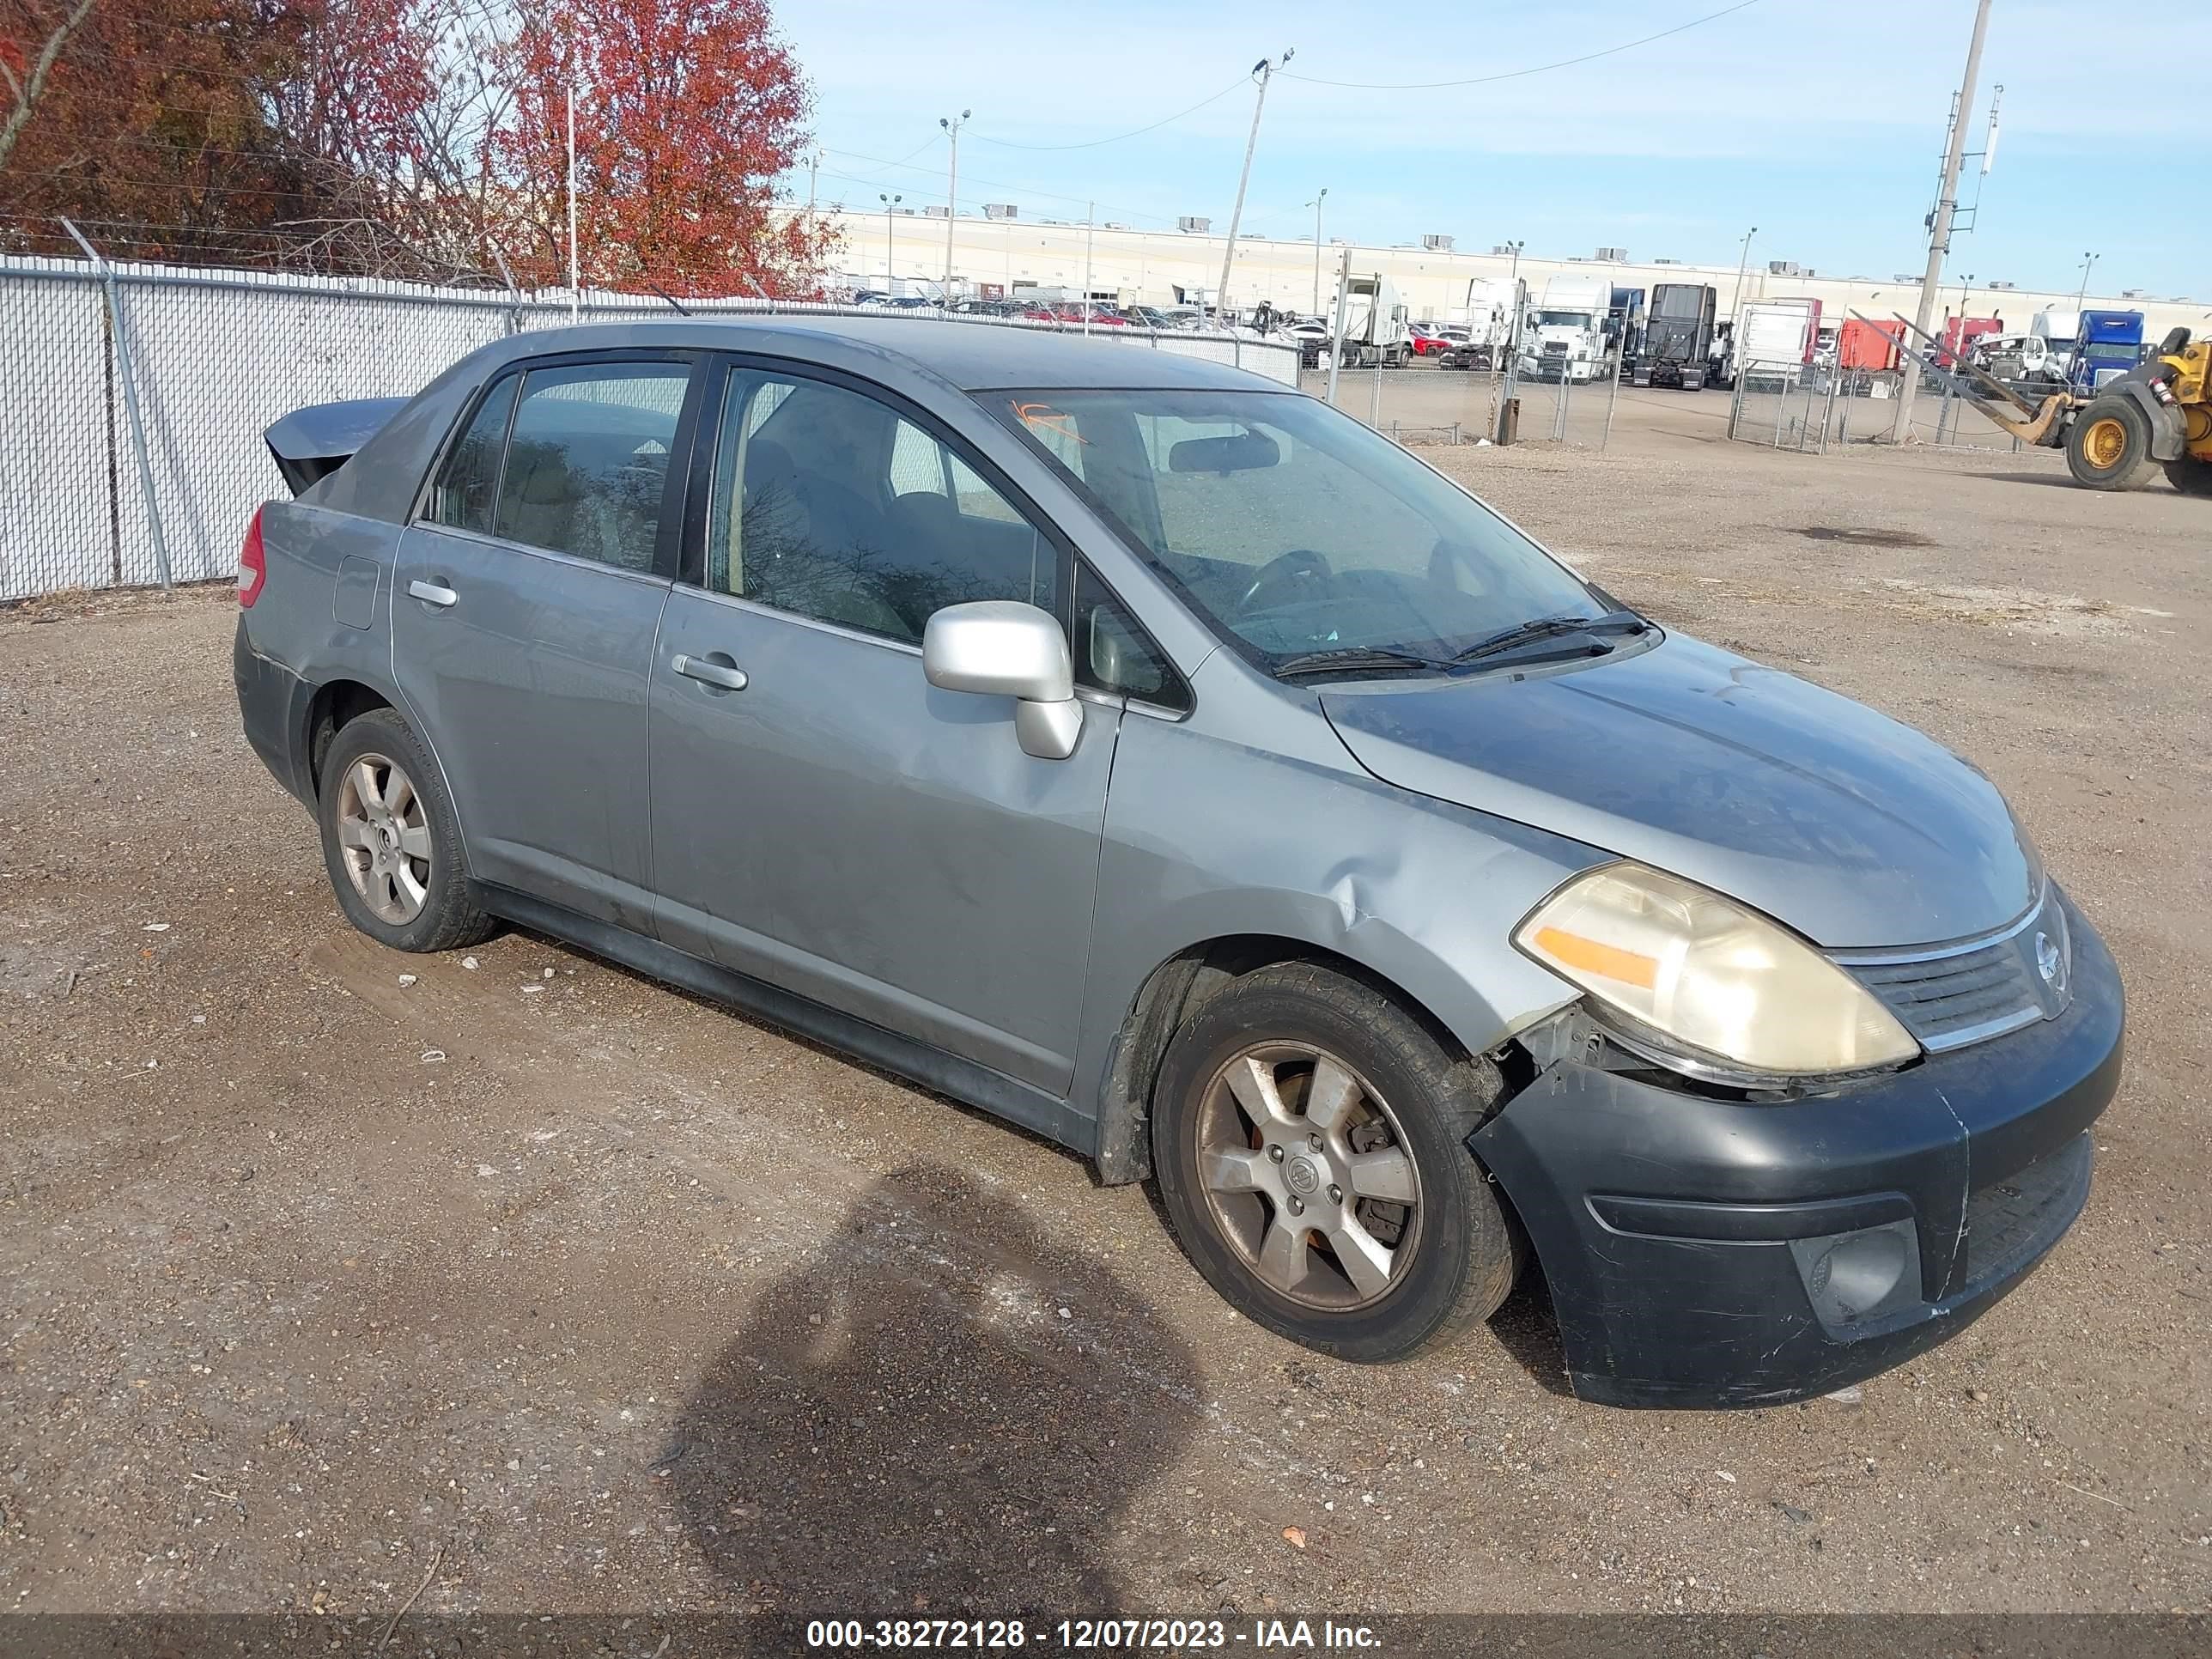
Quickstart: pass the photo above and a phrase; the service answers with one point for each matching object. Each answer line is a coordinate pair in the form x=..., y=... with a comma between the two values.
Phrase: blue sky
x=1819, y=122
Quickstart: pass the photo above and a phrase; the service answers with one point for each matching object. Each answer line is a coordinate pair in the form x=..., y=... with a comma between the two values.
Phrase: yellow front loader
x=2158, y=413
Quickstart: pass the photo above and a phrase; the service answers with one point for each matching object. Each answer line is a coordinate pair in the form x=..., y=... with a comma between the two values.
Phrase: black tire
x=448, y=915
x=2108, y=443
x=1468, y=1248
x=2190, y=475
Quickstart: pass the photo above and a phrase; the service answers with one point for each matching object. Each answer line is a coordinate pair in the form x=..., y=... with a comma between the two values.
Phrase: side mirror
x=1002, y=647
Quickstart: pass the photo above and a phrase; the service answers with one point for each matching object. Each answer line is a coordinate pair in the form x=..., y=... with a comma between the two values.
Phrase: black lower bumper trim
x=1709, y=1252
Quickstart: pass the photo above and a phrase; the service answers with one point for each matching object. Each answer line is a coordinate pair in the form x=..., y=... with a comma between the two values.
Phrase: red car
x=1073, y=313
x=1427, y=343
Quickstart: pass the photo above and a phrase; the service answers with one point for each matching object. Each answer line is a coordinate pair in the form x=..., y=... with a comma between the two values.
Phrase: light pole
x=1957, y=343
x=1263, y=72
x=1316, y=205
x=2082, y=298
x=891, y=282
x=1742, y=262
x=952, y=192
x=1940, y=221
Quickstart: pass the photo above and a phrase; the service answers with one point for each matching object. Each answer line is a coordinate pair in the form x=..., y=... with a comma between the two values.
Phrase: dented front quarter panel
x=1251, y=817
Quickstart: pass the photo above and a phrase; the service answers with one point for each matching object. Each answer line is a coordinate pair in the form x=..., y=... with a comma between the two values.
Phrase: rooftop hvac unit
x=1906, y=276
x=1197, y=226
x=1784, y=268
x=2135, y=293
x=1615, y=255
x=1437, y=244
x=2001, y=285
x=933, y=213
x=999, y=210
x=1666, y=262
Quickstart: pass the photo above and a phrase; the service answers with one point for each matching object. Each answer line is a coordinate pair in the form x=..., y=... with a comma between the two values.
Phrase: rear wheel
x=391, y=841
x=2190, y=475
x=1308, y=1137
x=2108, y=445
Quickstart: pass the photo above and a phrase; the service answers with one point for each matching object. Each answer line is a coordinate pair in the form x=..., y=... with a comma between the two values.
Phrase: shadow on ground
x=907, y=1424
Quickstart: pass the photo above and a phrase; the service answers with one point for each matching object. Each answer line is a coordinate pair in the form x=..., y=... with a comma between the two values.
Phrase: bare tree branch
x=28, y=93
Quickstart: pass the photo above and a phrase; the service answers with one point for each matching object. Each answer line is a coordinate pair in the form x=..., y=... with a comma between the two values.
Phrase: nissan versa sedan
x=1149, y=755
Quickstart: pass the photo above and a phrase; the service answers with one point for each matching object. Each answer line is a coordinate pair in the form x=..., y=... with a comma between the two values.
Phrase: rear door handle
x=432, y=593
x=725, y=676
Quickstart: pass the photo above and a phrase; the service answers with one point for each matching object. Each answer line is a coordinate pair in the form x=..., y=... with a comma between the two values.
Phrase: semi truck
x=1376, y=332
x=2106, y=345
x=1678, y=336
x=1567, y=340
x=1493, y=304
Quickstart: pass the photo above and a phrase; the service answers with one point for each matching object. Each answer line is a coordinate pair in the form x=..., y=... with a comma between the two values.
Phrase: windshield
x=1563, y=319
x=1292, y=529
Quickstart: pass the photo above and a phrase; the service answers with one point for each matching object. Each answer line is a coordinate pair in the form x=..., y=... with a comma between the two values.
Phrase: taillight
x=252, y=563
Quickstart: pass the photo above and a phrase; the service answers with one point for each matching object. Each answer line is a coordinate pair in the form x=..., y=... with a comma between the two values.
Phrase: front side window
x=462, y=497
x=829, y=504
x=587, y=467
x=1292, y=529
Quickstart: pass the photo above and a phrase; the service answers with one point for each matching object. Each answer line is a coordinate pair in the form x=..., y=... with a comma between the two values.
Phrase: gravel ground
x=590, y=1296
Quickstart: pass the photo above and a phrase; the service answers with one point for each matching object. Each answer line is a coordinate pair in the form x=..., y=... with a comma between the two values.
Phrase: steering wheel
x=1300, y=564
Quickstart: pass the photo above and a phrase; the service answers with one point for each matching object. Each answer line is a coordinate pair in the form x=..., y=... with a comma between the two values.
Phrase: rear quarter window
x=462, y=496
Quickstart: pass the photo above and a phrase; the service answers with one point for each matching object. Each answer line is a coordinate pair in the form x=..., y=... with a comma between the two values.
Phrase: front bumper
x=1707, y=1252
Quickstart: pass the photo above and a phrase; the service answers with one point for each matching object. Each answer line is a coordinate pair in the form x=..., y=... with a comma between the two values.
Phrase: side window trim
x=691, y=568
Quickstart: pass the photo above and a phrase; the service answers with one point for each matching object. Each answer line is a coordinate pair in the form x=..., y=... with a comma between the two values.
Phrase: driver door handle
x=432, y=593
x=724, y=676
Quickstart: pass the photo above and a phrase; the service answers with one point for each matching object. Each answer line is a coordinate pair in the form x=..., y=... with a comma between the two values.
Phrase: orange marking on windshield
x=1050, y=419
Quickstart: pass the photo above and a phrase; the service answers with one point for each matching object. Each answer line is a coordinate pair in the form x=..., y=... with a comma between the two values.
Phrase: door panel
x=524, y=618
x=837, y=826
x=843, y=829
x=531, y=688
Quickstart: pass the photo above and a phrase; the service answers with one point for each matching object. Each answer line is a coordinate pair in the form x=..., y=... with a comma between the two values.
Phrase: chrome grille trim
x=1948, y=996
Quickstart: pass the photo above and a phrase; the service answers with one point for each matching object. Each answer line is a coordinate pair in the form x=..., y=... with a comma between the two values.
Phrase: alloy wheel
x=383, y=838
x=1307, y=1176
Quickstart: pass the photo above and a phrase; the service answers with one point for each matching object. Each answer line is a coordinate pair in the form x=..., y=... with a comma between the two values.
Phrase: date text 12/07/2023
x=1091, y=1635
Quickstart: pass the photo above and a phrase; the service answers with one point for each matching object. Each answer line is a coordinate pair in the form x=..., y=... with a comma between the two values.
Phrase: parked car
x=1150, y=754
x=1428, y=342
x=1150, y=317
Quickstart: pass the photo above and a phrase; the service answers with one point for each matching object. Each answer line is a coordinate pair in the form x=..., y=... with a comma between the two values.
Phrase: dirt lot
x=591, y=1296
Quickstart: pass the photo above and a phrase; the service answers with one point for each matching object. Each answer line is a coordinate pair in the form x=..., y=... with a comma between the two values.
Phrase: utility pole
x=1263, y=72
x=576, y=286
x=1939, y=224
x=2082, y=298
x=953, y=192
x=1512, y=342
x=814, y=162
x=890, y=281
x=1316, y=205
x=1336, y=328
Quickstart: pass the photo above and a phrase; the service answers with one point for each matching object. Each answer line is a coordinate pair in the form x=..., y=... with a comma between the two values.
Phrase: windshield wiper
x=1545, y=628
x=1351, y=659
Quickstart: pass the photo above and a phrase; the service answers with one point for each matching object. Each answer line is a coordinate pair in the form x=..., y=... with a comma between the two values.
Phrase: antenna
x=1989, y=144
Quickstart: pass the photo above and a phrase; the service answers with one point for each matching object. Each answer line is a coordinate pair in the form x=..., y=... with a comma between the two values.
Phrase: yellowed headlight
x=1710, y=974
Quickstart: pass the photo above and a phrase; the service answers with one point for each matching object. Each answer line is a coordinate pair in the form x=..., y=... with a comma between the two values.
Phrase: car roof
x=971, y=356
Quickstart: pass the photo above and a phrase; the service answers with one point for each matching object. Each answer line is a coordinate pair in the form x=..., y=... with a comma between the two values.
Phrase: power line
x=1138, y=132
x=1514, y=75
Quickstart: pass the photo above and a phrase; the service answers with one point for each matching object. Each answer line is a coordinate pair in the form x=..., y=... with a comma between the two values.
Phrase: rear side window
x=462, y=496
x=586, y=469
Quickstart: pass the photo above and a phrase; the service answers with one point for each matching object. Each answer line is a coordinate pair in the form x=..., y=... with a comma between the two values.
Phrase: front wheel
x=2108, y=443
x=2190, y=475
x=1309, y=1139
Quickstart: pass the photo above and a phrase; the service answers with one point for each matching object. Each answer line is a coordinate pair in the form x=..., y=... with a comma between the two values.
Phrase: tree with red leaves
x=686, y=111
x=424, y=139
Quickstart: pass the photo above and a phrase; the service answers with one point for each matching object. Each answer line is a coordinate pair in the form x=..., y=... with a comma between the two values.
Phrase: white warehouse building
x=997, y=254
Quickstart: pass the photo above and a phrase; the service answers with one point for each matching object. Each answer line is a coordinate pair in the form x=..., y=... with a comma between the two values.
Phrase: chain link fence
x=1433, y=406
x=1810, y=407
x=133, y=397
